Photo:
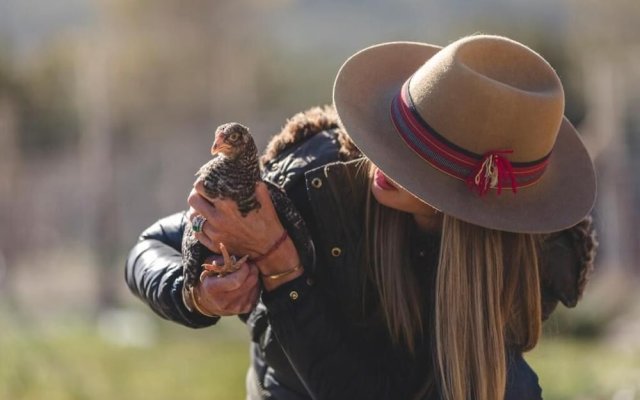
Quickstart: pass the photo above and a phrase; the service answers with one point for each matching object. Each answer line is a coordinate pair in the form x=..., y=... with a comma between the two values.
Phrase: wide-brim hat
x=475, y=129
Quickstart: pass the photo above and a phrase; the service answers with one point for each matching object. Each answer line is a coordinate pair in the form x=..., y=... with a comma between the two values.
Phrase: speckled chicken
x=232, y=173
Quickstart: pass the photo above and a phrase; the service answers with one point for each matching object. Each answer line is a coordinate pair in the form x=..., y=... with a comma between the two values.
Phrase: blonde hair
x=487, y=298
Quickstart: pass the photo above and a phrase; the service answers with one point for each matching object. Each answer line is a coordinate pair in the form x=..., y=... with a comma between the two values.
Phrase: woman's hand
x=250, y=235
x=232, y=294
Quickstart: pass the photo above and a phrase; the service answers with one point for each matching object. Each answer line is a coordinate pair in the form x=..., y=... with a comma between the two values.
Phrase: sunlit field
x=137, y=356
x=581, y=369
x=74, y=361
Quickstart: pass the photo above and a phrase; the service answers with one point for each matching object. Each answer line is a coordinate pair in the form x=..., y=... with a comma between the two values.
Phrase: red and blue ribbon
x=481, y=171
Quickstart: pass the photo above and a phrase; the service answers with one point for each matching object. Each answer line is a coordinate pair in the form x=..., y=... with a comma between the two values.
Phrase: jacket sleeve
x=153, y=272
x=567, y=261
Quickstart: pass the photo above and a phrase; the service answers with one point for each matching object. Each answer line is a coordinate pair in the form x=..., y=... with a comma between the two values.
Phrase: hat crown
x=484, y=93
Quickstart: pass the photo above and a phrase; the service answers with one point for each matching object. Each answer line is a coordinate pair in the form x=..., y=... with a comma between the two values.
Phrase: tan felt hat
x=475, y=129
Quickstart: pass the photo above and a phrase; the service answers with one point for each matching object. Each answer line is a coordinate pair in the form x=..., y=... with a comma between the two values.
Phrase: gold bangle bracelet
x=282, y=274
x=198, y=307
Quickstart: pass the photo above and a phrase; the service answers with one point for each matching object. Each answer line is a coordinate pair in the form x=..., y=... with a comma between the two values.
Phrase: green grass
x=63, y=360
x=77, y=363
x=585, y=369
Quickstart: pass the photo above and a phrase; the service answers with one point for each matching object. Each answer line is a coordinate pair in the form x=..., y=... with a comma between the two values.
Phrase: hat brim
x=362, y=94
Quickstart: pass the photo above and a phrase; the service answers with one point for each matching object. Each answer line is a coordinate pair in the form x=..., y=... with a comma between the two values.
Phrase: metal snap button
x=310, y=282
x=336, y=251
x=294, y=295
x=316, y=183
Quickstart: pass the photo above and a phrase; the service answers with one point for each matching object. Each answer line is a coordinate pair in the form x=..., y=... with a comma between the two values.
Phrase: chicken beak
x=217, y=144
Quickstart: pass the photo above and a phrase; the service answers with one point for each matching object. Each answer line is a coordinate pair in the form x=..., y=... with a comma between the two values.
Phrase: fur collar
x=306, y=124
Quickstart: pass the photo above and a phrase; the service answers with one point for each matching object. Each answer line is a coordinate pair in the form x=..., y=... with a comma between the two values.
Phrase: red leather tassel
x=492, y=171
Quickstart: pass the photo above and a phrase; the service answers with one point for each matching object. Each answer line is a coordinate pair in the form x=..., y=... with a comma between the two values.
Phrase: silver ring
x=198, y=223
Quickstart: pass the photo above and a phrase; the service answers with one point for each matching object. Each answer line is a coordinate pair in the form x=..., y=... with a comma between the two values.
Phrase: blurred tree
x=48, y=116
x=10, y=157
x=605, y=37
x=97, y=161
x=177, y=64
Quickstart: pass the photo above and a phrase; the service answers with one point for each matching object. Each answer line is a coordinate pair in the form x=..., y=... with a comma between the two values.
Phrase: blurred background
x=107, y=108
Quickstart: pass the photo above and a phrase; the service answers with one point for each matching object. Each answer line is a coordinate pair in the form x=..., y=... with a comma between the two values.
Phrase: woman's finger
x=207, y=235
x=228, y=283
x=224, y=204
x=262, y=192
x=245, y=302
x=252, y=278
x=215, y=217
x=220, y=301
x=255, y=294
x=214, y=258
x=250, y=301
x=264, y=196
x=207, y=242
x=191, y=197
x=201, y=205
x=190, y=214
x=198, y=187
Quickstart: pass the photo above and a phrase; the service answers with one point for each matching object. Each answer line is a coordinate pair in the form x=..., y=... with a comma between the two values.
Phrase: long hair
x=487, y=297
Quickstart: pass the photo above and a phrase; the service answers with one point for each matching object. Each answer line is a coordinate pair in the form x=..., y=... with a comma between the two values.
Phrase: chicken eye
x=234, y=136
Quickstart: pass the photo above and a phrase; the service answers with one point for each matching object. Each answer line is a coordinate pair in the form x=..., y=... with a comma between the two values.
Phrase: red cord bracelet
x=273, y=248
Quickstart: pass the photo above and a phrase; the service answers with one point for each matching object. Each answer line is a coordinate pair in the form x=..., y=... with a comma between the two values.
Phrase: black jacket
x=313, y=337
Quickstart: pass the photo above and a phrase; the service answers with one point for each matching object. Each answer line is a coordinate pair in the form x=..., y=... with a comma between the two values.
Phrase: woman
x=429, y=282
